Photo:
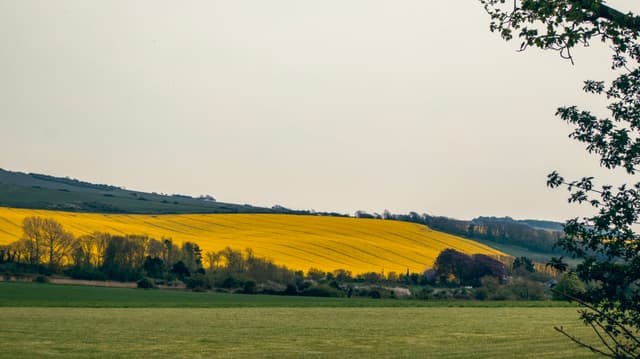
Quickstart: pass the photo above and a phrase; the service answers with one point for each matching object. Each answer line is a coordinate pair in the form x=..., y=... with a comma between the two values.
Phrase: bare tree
x=58, y=242
x=32, y=233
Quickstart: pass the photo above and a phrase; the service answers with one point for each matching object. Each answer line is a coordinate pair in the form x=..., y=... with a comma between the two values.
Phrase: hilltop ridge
x=39, y=191
x=34, y=191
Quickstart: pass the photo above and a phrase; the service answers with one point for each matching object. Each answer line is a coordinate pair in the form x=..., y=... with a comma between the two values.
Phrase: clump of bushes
x=249, y=287
x=85, y=273
x=569, y=285
x=197, y=283
x=374, y=292
x=145, y=283
x=322, y=290
x=41, y=279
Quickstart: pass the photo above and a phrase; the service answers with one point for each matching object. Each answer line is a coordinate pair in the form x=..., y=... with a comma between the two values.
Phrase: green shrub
x=85, y=273
x=145, y=283
x=41, y=279
x=230, y=282
x=375, y=294
x=442, y=294
x=524, y=289
x=462, y=293
x=322, y=290
x=481, y=293
x=197, y=283
x=290, y=290
x=568, y=285
x=249, y=287
x=423, y=293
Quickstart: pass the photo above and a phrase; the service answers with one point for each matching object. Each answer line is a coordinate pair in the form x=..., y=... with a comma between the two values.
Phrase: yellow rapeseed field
x=299, y=242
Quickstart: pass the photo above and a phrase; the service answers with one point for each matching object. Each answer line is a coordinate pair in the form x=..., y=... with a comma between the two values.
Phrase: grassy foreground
x=288, y=332
x=58, y=321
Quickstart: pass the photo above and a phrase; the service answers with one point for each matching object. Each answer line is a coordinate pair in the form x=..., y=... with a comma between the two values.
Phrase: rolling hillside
x=299, y=242
x=38, y=191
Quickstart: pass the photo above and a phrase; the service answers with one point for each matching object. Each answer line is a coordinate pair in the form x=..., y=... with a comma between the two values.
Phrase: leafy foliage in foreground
x=606, y=243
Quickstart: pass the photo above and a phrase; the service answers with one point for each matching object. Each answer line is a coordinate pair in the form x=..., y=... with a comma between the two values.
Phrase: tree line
x=498, y=230
x=46, y=248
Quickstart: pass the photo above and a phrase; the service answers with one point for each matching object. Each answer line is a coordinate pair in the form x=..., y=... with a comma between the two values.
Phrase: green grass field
x=57, y=321
x=435, y=332
x=14, y=294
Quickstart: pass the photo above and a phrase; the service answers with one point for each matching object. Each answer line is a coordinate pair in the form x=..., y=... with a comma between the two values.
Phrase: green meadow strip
x=17, y=294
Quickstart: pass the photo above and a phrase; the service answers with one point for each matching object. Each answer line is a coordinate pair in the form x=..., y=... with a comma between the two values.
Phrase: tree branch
x=577, y=341
x=618, y=344
x=629, y=334
x=602, y=339
x=626, y=21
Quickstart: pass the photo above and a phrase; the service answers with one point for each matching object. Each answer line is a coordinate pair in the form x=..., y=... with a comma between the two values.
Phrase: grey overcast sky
x=332, y=105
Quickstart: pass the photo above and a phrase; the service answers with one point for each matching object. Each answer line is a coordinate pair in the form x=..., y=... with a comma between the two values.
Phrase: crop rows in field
x=299, y=242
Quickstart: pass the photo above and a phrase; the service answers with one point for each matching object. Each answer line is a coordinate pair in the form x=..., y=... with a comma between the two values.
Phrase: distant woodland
x=501, y=230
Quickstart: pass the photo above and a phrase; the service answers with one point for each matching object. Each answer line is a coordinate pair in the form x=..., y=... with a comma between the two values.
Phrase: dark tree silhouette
x=467, y=270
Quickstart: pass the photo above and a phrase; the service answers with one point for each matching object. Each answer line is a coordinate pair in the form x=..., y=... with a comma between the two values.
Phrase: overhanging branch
x=619, y=18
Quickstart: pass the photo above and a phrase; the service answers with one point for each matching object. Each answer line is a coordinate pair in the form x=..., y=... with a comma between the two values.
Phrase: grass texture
x=435, y=332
